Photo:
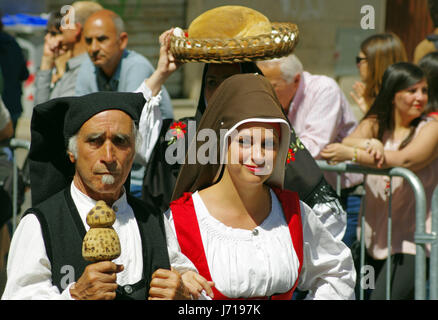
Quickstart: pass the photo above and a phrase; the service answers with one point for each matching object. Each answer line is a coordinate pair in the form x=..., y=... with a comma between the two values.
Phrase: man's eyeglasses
x=359, y=59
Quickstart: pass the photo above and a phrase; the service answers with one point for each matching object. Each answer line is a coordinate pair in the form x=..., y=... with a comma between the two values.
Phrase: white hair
x=72, y=146
x=290, y=66
x=119, y=24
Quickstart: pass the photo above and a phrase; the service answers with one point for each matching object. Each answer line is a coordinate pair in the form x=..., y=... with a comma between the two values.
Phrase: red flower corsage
x=178, y=131
x=290, y=156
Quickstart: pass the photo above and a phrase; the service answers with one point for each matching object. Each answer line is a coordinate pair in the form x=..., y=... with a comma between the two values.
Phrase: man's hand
x=196, y=283
x=168, y=285
x=98, y=282
x=51, y=49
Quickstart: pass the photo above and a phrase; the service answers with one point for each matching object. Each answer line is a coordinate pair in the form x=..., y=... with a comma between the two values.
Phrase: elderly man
x=45, y=262
x=64, y=51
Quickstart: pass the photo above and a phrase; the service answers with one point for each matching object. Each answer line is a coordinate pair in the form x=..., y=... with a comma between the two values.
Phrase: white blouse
x=262, y=262
x=150, y=123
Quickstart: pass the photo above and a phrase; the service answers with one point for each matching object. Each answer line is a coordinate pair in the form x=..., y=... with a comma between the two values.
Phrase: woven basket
x=280, y=42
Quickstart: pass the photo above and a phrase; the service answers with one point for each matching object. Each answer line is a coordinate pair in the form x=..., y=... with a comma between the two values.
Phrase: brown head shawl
x=239, y=99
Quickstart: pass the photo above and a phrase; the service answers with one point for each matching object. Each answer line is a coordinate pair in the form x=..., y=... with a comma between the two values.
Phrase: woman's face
x=252, y=152
x=410, y=102
x=362, y=65
x=216, y=74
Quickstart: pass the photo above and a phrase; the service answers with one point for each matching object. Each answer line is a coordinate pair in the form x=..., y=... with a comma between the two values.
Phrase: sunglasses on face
x=359, y=59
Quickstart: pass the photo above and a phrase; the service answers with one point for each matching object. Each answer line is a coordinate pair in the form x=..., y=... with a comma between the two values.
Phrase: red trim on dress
x=190, y=241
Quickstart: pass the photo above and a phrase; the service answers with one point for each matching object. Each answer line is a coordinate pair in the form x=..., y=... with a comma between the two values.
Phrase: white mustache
x=108, y=179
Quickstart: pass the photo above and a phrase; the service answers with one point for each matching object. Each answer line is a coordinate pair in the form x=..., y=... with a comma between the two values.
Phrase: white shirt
x=29, y=270
x=245, y=264
x=150, y=124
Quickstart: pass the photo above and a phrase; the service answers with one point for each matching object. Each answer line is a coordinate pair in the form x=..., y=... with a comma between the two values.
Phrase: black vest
x=63, y=232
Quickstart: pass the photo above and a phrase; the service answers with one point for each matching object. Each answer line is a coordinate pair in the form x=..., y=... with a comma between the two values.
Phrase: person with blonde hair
x=377, y=53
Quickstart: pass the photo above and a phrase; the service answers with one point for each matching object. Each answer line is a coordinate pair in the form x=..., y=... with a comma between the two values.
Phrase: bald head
x=107, y=17
x=105, y=40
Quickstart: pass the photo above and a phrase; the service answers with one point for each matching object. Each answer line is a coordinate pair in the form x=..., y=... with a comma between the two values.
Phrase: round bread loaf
x=101, y=216
x=228, y=22
x=101, y=244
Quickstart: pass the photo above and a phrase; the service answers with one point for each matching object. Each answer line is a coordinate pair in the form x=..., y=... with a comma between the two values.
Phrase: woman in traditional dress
x=233, y=218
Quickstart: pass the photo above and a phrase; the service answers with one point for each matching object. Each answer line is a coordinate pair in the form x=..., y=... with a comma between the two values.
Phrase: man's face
x=70, y=36
x=53, y=42
x=105, y=153
x=104, y=45
x=285, y=90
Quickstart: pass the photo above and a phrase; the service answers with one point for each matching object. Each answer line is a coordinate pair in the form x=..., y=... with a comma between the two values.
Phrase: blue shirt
x=132, y=70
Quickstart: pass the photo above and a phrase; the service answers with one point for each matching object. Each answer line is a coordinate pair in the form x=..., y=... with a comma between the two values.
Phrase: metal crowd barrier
x=433, y=274
x=15, y=144
x=421, y=238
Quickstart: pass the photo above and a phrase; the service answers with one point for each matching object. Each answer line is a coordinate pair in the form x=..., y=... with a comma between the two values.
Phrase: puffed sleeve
x=333, y=217
x=150, y=124
x=328, y=271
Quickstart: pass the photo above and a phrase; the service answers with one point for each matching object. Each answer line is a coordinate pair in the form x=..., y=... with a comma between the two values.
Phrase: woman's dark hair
x=397, y=77
x=429, y=65
x=54, y=20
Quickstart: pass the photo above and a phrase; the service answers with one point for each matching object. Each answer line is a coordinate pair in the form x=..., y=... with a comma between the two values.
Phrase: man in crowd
x=64, y=51
x=91, y=138
x=111, y=67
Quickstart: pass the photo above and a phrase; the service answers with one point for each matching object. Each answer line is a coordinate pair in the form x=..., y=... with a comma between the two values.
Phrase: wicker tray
x=280, y=42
